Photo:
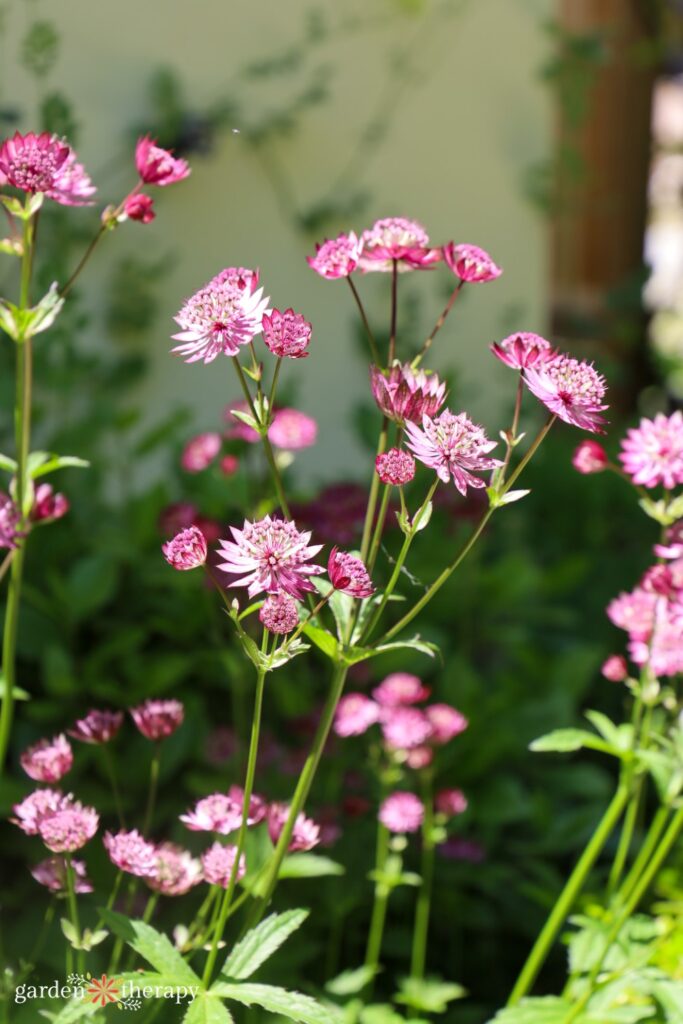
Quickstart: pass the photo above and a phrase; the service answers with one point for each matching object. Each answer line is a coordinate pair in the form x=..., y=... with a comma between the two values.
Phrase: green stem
x=418, y=958
x=151, y=907
x=64, y=291
x=437, y=327
x=374, y=351
x=639, y=737
x=372, y=498
x=73, y=909
x=645, y=853
x=153, y=788
x=267, y=447
x=379, y=528
x=273, y=386
x=379, y=907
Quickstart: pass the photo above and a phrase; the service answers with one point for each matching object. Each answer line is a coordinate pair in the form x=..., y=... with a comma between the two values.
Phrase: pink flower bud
x=157, y=166
x=187, y=550
x=589, y=457
x=615, y=668
x=139, y=207
x=395, y=467
x=48, y=506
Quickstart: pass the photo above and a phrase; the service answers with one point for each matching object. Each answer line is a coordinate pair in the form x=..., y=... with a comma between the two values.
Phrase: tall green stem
x=73, y=908
x=437, y=327
x=418, y=958
x=379, y=906
x=153, y=787
x=267, y=447
x=374, y=351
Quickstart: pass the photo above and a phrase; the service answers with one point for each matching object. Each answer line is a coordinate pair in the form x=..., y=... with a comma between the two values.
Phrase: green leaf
x=17, y=692
x=539, y=1010
x=285, y=654
x=152, y=945
x=355, y=654
x=309, y=865
x=428, y=995
x=323, y=640
x=206, y=1009
x=564, y=740
x=55, y=462
x=289, y=1004
x=259, y=944
x=619, y=736
x=77, y=1009
x=8, y=464
x=422, y=518
x=68, y=931
x=348, y=983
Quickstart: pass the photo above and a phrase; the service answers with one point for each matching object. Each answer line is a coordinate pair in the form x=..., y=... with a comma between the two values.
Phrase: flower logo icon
x=104, y=990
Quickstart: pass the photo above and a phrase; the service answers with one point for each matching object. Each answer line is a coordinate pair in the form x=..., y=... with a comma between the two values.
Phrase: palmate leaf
x=293, y=1005
x=260, y=943
x=152, y=945
x=207, y=1009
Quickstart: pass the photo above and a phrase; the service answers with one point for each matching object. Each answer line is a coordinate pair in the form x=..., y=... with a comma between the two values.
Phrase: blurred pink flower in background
x=402, y=812
x=69, y=828
x=652, y=453
x=200, y=451
x=305, y=834
x=97, y=726
x=158, y=719
x=446, y=722
x=589, y=457
x=52, y=874
x=218, y=863
x=48, y=760
x=400, y=688
x=355, y=714
x=175, y=870
x=130, y=852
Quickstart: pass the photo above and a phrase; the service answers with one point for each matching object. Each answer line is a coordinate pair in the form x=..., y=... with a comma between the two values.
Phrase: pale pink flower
x=453, y=446
x=48, y=760
x=615, y=668
x=70, y=828
x=229, y=465
x=48, y=506
x=9, y=523
x=43, y=163
x=396, y=239
x=238, y=278
x=187, y=550
x=52, y=874
x=287, y=334
x=200, y=451
x=270, y=556
x=219, y=812
x=445, y=721
x=348, y=574
x=450, y=802
x=279, y=613
x=634, y=612
x=292, y=430
x=305, y=834
x=157, y=719
x=220, y=317
x=37, y=806
x=470, y=263
x=522, y=349
x=652, y=453
x=131, y=852
x=572, y=390
x=590, y=457
x=218, y=864
x=175, y=872
x=157, y=166
x=355, y=714
x=140, y=207
x=405, y=728
x=402, y=812
x=337, y=257
x=663, y=650
x=395, y=467
x=72, y=186
x=97, y=726
x=407, y=394
x=400, y=688
x=419, y=757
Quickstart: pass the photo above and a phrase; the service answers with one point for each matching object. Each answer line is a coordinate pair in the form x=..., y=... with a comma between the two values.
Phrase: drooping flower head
x=589, y=457
x=522, y=349
x=9, y=523
x=131, y=852
x=292, y=430
x=305, y=834
x=37, y=806
x=407, y=394
x=400, y=688
x=218, y=863
x=97, y=726
x=395, y=467
x=52, y=874
x=157, y=166
x=139, y=207
x=187, y=550
x=48, y=506
x=399, y=239
x=279, y=613
x=337, y=257
x=270, y=556
x=287, y=334
x=43, y=163
x=175, y=871
x=450, y=802
x=348, y=574
x=200, y=451
x=48, y=760
x=402, y=812
x=570, y=389
x=405, y=728
x=70, y=828
x=445, y=721
x=453, y=446
x=652, y=453
x=222, y=316
x=470, y=263
x=355, y=714
x=157, y=719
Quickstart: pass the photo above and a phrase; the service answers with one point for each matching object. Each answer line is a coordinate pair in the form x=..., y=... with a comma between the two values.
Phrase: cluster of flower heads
x=221, y=813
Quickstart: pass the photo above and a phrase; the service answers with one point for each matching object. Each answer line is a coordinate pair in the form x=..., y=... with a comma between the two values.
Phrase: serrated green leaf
x=152, y=945
x=207, y=1009
x=309, y=865
x=259, y=944
x=289, y=1004
x=349, y=983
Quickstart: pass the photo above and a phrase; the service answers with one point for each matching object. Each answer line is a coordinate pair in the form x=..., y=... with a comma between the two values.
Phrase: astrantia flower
x=446, y=722
x=470, y=263
x=258, y=808
x=399, y=239
x=634, y=612
x=131, y=852
x=216, y=813
x=48, y=760
x=337, y=257
x=663, y=649
x=52, y=874
x=305, y=834
x=589, y=457
x=220, y=317
x=69, y=829
x=570, y=389
x=660, y=580
x=450, y=802
x=270, y=556
x=405, y=728
x=419, y=757
x=97, y=726
x=48, y=506
x=395, y=467
x=157, y=166
x=400, y=688
x=453, y=446
x=279, y=613
x=292, y=430
x=157, y=719
x=402, y=812
x=9, y=523
x=175, y=871
x=522, y=349
x=652, y=453
x=37, y=806
x=407, y=394
x=187, y=550
x=139, y=207
x=72, y=186
x=218, y=863
x=355, y=714
x=615, y=668
x=200, y=451
x=286, y=334
x=43, y=163
x=348, y=574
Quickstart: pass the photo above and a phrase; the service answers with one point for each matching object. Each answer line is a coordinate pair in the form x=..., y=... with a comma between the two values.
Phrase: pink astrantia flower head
x=52, y=874
x=175, y=871
x=589, y=457
x=615, y=668
x=258, y=808
x=337, y=257
x=663, y=651
x=348, y=574
x=43, y=163
x=445, y=721
x=287, y=334
x=48, y=506
x=400, y=688
x=48, y=760
x=634, y=612
x=355, y=714
x=9, y=523
x=140, y=207
x=131, y=852
x=97, y=726
x=270, y=556
x=407, y=394
x=395, y=467
x=218, y=864
x=187, y=550
x=570, y=389
x=70, y=828
x=223, y=315
x=522, y=349
x=453, y=446
x=158, y=719
x=305, y=834
x=279, y=613
x=157, y=166
x=216, y=813
x=652, y=453
x=402, y=812
x=292, y=430
x=405, y=728
x=660, y=580
x=450, y=802
x=396, y=239
x=37, y=806
x=470, y=263
x=200, y=451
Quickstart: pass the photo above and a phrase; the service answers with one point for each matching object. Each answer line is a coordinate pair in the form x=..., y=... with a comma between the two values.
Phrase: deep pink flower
x=395, y=467
x=590, y=457
x=218, y=863
x=450, y=802
x=70, y=828
x=355, y=714
x=446, y=722
x=305, y=834
x=131, y=852
x=216, y=813
x=43, y=163
x=48, y=760
x=223, y=315
x=200, y=451
x=157, y=719
x=292, y=430
x=97, y=726
x=615, y=668
x=229, y=465
x=453, y=446
x=48, y=506
x=634, y=612
x=337, y=257
x=660, y=580
x=522, y=349
x=279, y=613
x=139, y=207
x=673, y=543
x=9, y=523
x=570, y=389
x=652, y=453
x=37, y=806
x=399, y=239
x=187, y=550
x=407, y=394
x=286, y=334
x=157, y=166
x=348, y=574
x=175, y=872
x=270, y=556
x=405, y=728
x=470, y=263
x=52, y=874
x=400, y=688
x=402, y=812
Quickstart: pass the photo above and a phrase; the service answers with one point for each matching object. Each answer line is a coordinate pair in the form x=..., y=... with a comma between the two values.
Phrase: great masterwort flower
x=396, y=239
x=572, y=390
x=453, y=446
x=652, y=453
x=270, y=556
x=407, y=394
x=44, y=163
x=157, y=166
x=336, y=257
x=223, y=315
